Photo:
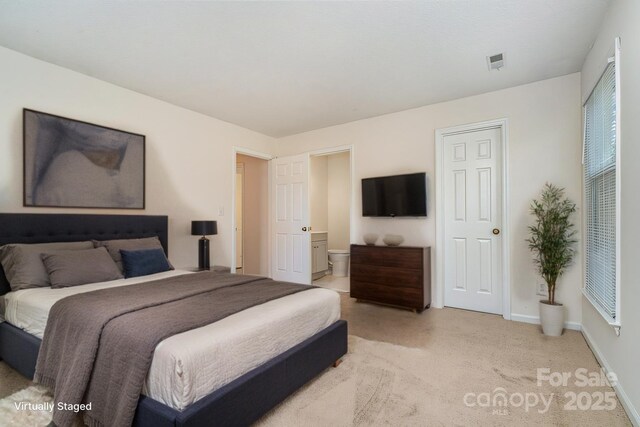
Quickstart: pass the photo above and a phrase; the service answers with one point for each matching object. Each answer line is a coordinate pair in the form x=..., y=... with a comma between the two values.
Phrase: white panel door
x=292, y=237
x=473, y=220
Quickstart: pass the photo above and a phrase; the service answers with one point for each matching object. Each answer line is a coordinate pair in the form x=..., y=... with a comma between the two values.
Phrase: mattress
x=193, y=364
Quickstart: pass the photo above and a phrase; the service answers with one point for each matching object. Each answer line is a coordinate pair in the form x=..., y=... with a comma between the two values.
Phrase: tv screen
x=398, y=195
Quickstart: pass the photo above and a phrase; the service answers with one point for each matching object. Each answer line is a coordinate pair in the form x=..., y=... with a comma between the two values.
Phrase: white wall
x=544, y=145
x=255, y=215
x=339, y=199
x=318, y=193
x=188, y=155
x=621, y=354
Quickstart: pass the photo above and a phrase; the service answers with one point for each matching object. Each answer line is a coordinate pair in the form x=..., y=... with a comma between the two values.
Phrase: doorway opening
x=330, y=218
x=251, y=215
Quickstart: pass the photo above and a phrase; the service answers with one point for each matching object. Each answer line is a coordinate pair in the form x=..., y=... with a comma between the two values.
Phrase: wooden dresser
x=394, y=275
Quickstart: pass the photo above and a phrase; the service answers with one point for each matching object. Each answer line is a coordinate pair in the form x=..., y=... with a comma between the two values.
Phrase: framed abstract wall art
x=70, y=163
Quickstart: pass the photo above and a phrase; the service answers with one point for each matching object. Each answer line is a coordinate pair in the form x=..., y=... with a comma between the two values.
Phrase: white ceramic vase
x=551, y=318
x=393, y=239
x=370, y=238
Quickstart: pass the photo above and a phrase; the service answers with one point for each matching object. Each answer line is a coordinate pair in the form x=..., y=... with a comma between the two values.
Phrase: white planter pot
x=551, y=319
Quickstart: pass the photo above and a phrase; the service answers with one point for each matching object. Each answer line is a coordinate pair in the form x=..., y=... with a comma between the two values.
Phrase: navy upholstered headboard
x=45, y=228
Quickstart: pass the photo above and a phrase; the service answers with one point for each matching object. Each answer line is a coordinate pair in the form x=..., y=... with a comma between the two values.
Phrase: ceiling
x=282, y=68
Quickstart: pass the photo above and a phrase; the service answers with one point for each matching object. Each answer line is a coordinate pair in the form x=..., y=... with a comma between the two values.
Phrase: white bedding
x=191, y=365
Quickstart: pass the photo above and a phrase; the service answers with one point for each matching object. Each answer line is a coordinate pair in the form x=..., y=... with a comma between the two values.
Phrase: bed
x=226, y=393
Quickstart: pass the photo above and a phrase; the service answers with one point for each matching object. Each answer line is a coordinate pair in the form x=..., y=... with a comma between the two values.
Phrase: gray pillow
x=73, y=268
x=114, y=246
x=23, y=266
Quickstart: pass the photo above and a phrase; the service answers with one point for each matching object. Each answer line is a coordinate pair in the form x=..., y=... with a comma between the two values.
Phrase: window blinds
x=600, y=193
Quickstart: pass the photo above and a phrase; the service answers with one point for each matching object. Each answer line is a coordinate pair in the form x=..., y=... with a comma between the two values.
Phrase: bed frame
x=239, y=403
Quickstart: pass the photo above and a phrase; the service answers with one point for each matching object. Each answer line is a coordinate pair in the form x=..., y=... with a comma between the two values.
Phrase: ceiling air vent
x=495, y=62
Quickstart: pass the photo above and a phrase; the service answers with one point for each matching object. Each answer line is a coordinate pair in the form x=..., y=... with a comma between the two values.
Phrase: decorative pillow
x=144, y=262
x=23, y=266
x=114, y=247
x=73, y=268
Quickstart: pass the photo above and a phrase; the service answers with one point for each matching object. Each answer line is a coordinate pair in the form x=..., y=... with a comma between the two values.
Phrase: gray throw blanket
x=98, y=346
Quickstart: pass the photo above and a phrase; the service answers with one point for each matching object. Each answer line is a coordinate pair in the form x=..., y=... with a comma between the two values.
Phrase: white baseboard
x=632, y=412
x=536, y=321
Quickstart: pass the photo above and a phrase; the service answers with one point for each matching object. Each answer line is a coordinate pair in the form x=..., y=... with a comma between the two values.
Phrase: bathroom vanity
x=319, y=254
x=393, y=275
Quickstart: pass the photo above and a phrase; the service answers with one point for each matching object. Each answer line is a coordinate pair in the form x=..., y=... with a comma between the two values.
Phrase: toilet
x=339, y=261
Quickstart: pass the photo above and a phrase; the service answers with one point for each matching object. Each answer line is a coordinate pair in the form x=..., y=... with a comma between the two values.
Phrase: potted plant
x=552, y=240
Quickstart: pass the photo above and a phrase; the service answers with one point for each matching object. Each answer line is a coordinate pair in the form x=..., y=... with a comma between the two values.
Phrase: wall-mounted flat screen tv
x=392, y=196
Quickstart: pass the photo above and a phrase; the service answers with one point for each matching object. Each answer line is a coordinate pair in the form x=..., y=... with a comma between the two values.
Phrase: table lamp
x=204, y=229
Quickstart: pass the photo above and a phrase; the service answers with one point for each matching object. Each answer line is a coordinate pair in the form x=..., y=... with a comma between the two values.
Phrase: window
x=601, y=182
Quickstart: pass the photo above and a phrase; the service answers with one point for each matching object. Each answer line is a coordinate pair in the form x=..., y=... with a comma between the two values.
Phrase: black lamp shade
x=204, y=228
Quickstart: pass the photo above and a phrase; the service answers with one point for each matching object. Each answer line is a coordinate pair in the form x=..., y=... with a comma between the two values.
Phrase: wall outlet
x=542, y=290
x=221, y=211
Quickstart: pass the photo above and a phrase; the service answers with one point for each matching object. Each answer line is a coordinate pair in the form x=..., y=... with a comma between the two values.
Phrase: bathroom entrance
x=330, y=218
x=251, y=213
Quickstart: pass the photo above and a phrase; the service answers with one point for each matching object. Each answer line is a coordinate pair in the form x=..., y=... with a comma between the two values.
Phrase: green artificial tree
x=552, y=238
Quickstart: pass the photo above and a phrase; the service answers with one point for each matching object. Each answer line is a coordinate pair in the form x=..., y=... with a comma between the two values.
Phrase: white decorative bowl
x=370, y=238
x=393, y=239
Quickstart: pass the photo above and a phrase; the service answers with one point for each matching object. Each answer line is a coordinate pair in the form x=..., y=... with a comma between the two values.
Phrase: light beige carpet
x=416, y=368
x=340, y=284
x=384, y=384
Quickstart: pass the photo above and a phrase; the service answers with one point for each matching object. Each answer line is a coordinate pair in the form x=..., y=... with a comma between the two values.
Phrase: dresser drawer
x=387, y=276
x=387, y=256
x=405, y=297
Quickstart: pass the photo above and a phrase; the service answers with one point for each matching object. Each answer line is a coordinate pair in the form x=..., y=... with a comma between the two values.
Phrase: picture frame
x=69, y=163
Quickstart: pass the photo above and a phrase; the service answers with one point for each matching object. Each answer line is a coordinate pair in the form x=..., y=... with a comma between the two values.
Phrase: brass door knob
x=496, y=231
